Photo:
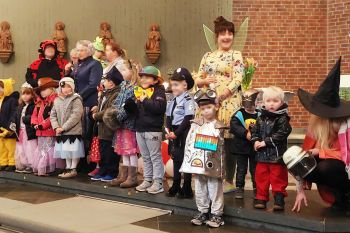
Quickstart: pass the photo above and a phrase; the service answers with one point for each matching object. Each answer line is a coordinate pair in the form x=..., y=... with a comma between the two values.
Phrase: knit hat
x=152, y=71
x=98, y=45
x=67, y=80
x=115, y=76
x=183, y=74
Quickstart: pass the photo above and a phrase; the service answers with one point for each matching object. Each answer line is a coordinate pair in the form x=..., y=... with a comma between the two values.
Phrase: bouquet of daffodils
x=250, y=66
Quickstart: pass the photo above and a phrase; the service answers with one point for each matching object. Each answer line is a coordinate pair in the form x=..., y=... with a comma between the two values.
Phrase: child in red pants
x=269, y=136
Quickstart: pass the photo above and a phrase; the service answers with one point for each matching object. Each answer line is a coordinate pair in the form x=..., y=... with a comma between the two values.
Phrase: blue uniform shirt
x=185, y=106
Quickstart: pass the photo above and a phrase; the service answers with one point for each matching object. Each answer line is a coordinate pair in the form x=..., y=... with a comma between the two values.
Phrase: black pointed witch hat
x=326, y=101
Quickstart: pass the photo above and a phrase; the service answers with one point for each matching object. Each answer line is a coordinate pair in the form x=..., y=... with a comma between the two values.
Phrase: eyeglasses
x=199, y=94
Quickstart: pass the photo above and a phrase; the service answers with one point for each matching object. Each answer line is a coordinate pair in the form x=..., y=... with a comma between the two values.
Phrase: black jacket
x=150, y=112
x=26, y=120
x=274, y=129
x=240, y=143
x=8, y=111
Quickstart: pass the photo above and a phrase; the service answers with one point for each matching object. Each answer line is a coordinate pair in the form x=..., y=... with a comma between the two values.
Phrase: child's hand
x=256, y=145
x=249, y=136
x=172, y=135
x=36, y=126
x=94, y=109
x=94, y=116
x=262, y=144
x=143, y=97
x=59, y=130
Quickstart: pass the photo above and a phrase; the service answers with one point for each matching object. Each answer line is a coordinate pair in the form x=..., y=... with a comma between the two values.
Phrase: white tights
x=130, y=160
x=72, y=163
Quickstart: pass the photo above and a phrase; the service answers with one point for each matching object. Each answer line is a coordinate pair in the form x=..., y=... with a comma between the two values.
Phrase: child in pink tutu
x=27, y=141
x=44, y=163
x=125, y=136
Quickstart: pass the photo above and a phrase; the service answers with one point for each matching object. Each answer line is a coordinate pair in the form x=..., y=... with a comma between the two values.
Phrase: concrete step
x=316, y=218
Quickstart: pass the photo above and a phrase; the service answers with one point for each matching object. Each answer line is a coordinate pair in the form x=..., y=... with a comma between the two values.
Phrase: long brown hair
x=325, y=130
x=116, y=48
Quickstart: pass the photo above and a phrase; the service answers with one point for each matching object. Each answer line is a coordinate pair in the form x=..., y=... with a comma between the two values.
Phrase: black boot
x=279, y=202
x=348, y=204
x=340, y=202
x=175, y=189
x=186, y=190
x=259, y=204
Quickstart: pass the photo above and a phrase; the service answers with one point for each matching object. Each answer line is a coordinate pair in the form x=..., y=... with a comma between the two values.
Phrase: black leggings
x=330, y=172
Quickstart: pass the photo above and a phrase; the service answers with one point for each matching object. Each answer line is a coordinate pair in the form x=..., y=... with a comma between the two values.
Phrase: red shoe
x=94, y=172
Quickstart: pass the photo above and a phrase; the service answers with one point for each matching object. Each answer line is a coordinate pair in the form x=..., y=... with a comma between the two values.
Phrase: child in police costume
x=180, y=111
x=204, y=156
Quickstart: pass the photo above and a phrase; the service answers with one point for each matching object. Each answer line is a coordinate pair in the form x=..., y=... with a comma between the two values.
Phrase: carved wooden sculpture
x=60, y=37
x=6, y=44
x=153, y=44
x=105, y=33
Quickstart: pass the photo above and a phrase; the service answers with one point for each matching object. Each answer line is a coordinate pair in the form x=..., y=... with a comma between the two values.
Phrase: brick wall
x=289, y=40
x=338, y=33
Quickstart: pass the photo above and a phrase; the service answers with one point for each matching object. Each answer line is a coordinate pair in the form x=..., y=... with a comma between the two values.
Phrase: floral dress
x=227, y=67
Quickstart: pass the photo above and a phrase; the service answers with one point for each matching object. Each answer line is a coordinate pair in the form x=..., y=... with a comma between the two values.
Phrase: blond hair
x=324, y=130
x=273, y=92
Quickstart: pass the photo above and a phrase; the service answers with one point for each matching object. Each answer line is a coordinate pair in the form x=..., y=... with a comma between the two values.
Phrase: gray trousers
x=150, y=147
x=209, y=189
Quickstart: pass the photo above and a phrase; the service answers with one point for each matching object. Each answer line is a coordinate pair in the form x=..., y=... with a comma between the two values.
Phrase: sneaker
x=107, y=178
x=215, y=221
x=279, y=202
x=70, y=174
x=228, y=187
x=19, y=170
x=28, y=170
x=157, y=187
x=94, y=172
x=239, y=193
x=96, y=177
x=144, y=186
x=259, y=204
x=64, y=172
x=200, y=219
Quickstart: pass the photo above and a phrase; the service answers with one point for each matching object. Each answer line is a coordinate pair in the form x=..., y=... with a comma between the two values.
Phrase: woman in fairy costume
x=222, y=70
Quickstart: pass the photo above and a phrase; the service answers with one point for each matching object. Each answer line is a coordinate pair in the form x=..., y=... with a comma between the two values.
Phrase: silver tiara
x=26, y=85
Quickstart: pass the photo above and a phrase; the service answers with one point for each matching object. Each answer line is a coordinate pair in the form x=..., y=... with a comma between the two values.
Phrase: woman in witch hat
x=326, y=140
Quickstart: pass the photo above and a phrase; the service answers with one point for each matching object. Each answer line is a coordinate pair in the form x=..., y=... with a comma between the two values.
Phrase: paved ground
x=51, y=208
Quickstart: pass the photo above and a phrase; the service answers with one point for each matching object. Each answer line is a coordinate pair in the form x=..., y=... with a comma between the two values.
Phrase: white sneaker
x=157, y=187
x=215, y=221
x=144, y=186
